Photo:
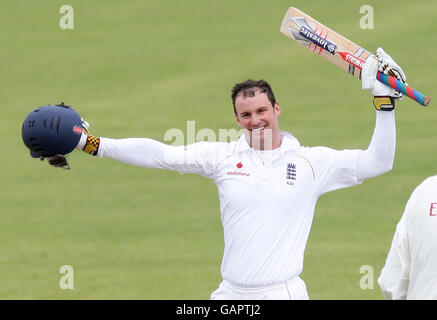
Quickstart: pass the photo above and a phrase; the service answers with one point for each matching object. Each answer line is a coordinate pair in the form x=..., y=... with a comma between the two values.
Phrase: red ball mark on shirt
x=239, y=165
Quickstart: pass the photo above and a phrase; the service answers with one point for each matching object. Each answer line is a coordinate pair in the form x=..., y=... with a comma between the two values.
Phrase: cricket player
x=268, y=183
x=410, y=269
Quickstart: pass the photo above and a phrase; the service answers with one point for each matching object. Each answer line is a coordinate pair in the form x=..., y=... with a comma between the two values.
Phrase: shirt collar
x=289, y=142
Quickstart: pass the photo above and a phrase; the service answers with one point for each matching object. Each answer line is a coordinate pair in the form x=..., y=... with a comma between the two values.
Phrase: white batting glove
x=87, y=142
x=369, y=81
x=84, y=136
x=388, y=66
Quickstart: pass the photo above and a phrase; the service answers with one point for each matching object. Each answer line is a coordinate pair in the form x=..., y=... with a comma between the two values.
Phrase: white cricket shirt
x=411, y=266
x=267, y=200
x=266, y=205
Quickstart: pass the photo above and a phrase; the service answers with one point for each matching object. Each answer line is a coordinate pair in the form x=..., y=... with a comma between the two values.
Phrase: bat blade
x=337, y=49
x=323, y=41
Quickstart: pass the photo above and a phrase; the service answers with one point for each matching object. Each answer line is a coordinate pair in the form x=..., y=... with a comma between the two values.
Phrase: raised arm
x=379, y=156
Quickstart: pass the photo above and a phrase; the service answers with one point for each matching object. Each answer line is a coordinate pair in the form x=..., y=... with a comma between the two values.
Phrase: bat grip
x=403, y=88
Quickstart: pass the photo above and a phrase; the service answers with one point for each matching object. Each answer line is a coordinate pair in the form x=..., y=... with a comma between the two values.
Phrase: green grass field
x=139, y=68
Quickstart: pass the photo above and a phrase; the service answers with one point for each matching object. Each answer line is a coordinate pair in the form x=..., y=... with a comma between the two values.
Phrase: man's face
x=259, y=119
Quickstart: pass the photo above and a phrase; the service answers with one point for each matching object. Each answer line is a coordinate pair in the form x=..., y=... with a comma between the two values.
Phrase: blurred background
x=139, y=68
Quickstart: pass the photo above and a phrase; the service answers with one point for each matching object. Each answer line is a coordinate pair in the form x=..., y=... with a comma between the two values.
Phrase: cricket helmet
x=51, y=130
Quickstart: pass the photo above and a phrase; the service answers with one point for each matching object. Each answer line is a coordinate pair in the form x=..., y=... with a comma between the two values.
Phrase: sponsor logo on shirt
x=236, y=173
x=291, y=174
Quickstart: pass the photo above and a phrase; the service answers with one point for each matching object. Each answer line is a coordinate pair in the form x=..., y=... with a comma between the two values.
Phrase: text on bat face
x=354, y=60
x=317, y=40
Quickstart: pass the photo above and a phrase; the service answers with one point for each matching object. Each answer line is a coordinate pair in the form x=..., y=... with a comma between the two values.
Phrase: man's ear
x=277, y=108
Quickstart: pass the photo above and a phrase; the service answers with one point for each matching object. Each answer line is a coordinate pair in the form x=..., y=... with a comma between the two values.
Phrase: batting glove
x=87, y=142
x=384, y=96
x=84, y=136
x=388, y=66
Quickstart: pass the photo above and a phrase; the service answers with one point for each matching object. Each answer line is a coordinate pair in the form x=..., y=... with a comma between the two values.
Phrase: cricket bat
x=338, y=50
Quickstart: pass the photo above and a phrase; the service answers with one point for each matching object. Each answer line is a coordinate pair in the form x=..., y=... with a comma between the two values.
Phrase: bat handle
x=402, y=87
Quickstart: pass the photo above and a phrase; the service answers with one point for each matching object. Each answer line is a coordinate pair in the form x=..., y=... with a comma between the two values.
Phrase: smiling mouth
x=257, y=130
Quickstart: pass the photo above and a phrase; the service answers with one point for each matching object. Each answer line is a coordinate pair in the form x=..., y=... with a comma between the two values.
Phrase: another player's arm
x=394, y=279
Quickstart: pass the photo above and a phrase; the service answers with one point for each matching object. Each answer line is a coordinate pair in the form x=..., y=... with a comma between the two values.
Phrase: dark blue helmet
x=51, y=130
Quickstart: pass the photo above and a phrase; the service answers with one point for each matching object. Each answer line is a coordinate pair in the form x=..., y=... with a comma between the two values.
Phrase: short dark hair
x=249, y=87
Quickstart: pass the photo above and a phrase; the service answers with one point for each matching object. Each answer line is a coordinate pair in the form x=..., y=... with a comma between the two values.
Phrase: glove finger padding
x=389, y=66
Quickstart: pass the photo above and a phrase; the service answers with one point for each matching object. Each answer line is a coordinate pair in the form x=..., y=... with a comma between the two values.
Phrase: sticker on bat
x=317, y=40
x=307, y=34
x=357, y=62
